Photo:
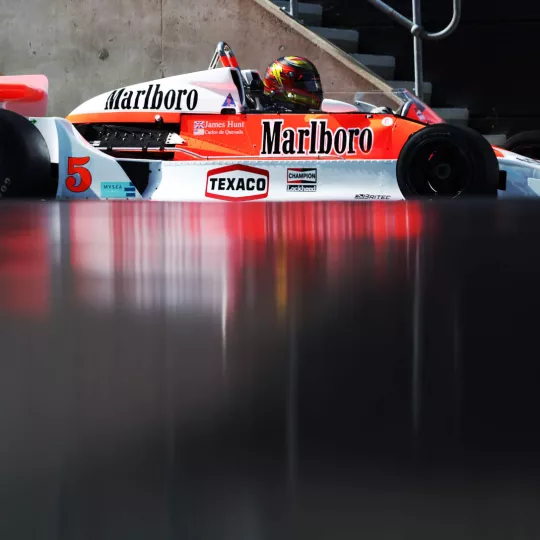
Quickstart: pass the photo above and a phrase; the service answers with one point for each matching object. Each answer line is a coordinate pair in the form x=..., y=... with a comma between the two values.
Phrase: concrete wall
x=87, y=47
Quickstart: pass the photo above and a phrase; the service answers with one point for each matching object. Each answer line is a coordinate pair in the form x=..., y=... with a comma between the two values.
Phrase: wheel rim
x=439, y=168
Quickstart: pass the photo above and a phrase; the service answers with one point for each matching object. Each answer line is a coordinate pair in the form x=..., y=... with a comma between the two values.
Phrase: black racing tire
x=447, y=161
x=25, y=163
x=526, y=143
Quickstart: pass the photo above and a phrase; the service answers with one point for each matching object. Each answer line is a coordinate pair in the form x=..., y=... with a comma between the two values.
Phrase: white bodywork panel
x=243, y=180
x=104, y=175
x=204, y=92
x=523, y=178
x=339, y=180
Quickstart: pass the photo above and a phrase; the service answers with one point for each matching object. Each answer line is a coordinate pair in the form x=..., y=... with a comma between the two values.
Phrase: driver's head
x=295, y=82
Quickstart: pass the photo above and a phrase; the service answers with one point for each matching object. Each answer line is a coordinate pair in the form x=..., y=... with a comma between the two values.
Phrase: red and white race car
x=205, y=137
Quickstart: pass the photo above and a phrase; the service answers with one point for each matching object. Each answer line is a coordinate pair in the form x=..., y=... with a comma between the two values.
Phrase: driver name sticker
x=237, y=183
x=213, y=127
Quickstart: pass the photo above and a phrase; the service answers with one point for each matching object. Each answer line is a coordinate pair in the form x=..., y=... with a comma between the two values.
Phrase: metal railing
x=415, y=28
x=294, y=8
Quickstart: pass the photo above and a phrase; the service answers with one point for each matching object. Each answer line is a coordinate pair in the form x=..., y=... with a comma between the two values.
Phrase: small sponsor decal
x=209, y=127
x=152, y=98
x=117, y=190
x=317, y=139
x=387, y=121
x=302, y=180
x=372, y=197
x=229, y=102
x=237, y=183
x=198, y=127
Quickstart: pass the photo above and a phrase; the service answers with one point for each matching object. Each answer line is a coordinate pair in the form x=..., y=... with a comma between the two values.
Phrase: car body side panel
x=294, y=136
x=523, y=175
x=347, y=136
x=263, y=180
x=84, y=172
x=283, y=177
x=87, y=173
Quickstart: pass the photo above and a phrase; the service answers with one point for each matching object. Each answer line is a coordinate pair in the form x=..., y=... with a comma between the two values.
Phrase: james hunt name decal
x=302, y=180
x=209, y=127
x=237, y=183
x=318, y=139
x=152, y=98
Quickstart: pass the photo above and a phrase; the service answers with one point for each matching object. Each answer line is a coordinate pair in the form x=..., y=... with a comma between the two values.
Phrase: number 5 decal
x=75, y=166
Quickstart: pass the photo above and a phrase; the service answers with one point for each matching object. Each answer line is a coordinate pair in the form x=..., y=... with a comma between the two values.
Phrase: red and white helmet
x=294, y=80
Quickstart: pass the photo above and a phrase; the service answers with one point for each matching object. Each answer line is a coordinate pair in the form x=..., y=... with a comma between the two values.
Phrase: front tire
x=447, y=161
x=25, y=163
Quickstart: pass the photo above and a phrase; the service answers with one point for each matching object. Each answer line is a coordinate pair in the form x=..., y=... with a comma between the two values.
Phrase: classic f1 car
x=205, y=136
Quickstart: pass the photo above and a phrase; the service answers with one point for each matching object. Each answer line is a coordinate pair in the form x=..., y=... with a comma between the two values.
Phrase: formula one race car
x=204, y=136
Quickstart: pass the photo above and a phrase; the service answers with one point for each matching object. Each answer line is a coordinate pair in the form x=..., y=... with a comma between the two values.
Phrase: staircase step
x=454, y=115
x=496, y=139
x=309, y=14
x=409, y=85
x=383, y=66
x=344, y=39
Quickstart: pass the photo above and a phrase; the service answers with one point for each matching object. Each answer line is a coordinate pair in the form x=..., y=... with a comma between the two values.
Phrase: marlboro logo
x=152, y=98
x=317, y=139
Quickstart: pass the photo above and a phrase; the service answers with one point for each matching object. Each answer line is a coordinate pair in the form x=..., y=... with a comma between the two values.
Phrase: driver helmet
x=294, y=81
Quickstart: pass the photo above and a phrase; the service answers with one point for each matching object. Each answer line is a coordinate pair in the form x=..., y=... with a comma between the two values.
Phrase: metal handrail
x=419, y=33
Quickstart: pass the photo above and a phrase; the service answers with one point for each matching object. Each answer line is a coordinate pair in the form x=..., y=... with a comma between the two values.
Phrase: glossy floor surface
x=260, y=371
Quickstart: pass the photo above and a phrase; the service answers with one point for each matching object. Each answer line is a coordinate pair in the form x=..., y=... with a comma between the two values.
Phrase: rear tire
x=446, y=161
x=25, y=163
x=526, y=143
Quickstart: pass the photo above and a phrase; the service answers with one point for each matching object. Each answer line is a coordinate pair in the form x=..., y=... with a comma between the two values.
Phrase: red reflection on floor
x=25, y=264
x=187, y=254
x=168, y=250
x=312, y=223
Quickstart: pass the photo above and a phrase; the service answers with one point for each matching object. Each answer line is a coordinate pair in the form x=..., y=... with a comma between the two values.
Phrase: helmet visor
x=308, y=81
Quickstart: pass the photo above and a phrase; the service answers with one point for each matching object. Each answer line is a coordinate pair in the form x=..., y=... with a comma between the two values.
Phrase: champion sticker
x=302, y=180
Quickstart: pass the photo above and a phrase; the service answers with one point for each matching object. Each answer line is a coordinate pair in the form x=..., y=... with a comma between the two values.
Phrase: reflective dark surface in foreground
x=269, y=371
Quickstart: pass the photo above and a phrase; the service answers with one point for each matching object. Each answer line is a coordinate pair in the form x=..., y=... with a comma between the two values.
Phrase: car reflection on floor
x=183, y=256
